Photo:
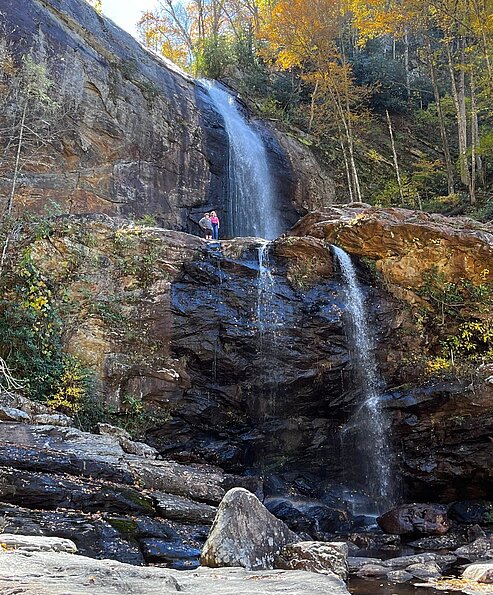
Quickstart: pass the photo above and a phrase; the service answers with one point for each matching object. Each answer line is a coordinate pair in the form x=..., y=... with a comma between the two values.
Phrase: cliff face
x=139, y=136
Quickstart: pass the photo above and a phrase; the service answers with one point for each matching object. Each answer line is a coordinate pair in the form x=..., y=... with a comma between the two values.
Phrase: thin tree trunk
x=458, y=94
x=10, y=202
x=478, y=171
x=396, y=161
x=312, y=107
x=443, y=130
x=406, y=65
x=348, y=171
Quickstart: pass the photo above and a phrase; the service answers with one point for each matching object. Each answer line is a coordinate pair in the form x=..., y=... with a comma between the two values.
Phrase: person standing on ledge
x=206, y=226
x=215, y=225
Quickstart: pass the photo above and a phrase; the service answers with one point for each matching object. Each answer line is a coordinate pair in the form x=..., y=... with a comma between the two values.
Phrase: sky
x=126, y=13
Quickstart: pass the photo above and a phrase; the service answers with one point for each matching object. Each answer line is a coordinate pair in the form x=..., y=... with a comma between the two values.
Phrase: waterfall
x=368, y=426
x=268, y=324
x=251, y=192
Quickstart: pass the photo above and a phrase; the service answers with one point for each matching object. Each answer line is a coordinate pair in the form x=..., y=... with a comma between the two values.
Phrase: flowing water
x=251, y=190
x=365, y=437
x=269, y=321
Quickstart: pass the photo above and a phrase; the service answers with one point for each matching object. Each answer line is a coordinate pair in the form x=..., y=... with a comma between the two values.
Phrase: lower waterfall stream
x=367, y=429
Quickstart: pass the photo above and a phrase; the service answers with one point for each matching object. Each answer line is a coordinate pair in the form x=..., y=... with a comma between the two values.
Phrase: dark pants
x=215, y=231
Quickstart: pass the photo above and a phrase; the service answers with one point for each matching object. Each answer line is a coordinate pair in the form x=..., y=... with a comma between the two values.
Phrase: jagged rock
x=15, y=415
x=372, y=571
x=405, y=244
x=94, y=535
x=440, y=542
x=178, y=508
x=48, y=460
x=37, y=544
x=314, y=556
x=170, y=554
x=139, y=449
x=424, y=519
x=53, y=419
x=244, y=534
x=480, y=549
x=308, y=516
x=399, y=576
x=428, y=571
x=482, y=573
x=355, y=563
x=58, y=573
x=403, y=562
x=471, y=511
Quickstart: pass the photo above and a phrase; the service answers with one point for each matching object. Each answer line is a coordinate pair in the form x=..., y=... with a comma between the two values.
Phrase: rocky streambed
x=121, y=506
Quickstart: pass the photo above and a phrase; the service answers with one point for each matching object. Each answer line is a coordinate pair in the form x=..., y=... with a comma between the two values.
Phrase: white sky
x=126, y=13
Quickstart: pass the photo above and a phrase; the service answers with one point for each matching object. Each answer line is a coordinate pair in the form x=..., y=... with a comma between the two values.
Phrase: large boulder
x=415, y=519
x=406, y=244
x=315, y=556
x=245, y=534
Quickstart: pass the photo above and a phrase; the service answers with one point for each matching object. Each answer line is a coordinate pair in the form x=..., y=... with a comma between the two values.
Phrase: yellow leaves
x=71, y=389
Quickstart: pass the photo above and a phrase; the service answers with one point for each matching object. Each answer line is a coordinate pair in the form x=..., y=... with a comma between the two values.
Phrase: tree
x=307, y=37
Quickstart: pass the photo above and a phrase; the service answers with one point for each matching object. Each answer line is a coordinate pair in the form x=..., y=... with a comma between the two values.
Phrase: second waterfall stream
x=368, y=427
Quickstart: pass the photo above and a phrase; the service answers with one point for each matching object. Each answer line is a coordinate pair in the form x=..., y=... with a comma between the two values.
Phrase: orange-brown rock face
x=406, y=244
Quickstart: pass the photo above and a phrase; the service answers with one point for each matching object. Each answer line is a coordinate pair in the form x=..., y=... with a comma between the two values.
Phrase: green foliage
x=460, y=322
x=214, y=54
x=30, y=329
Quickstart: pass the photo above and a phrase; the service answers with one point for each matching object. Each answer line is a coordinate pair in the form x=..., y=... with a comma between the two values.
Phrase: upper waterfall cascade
x=251, y=190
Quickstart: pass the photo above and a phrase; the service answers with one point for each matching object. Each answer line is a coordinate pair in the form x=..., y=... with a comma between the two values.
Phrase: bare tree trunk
x=10, y=202
x=312, y=107
x=477, y=171
x=458, y=94
x=443, y=130
x=348, y=171
x=406, y=65
x=396, y=161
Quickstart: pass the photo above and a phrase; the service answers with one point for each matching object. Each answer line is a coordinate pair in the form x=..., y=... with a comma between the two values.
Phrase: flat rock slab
x=33, y=543
x=58, y=574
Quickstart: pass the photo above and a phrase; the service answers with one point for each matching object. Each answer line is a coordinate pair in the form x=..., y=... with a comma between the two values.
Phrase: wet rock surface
x=415, y=519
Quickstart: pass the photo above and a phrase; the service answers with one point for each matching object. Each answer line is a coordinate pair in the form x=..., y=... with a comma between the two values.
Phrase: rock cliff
x=138, y=137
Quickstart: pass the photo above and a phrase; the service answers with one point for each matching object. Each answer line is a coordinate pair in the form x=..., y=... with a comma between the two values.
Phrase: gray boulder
x=13, y=414
x=245, y=534
x=315, y=556
x=425, y=570
x=480, y=549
